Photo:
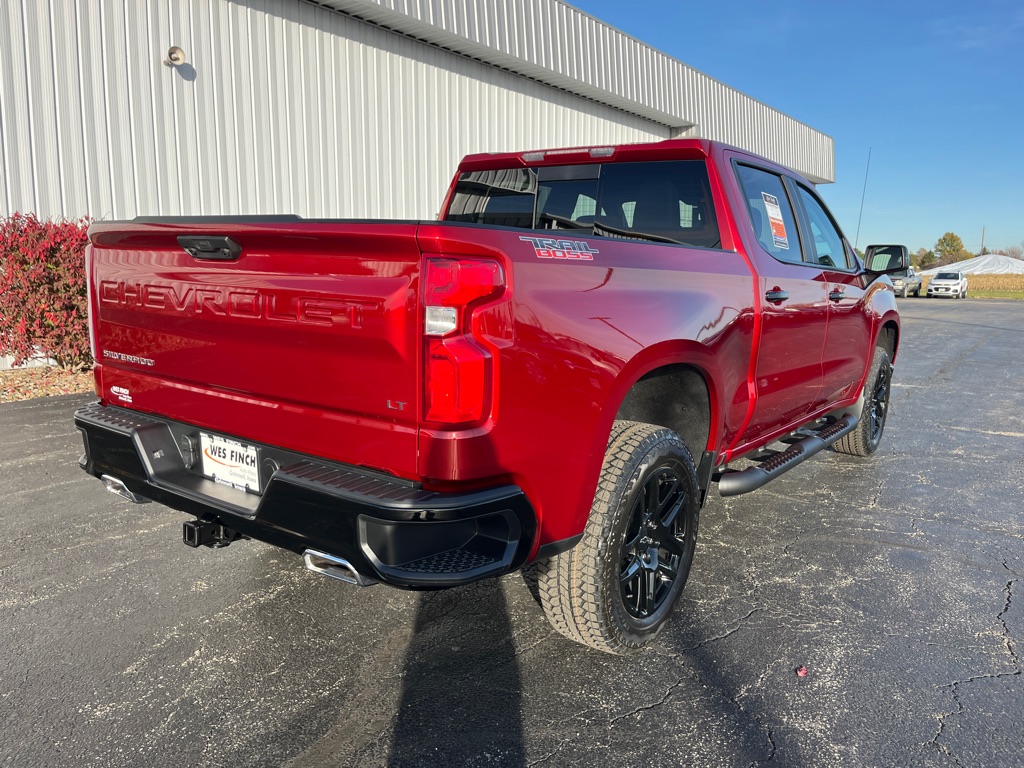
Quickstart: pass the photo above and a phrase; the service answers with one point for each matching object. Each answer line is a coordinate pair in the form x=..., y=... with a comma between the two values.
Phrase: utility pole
x=982, y=240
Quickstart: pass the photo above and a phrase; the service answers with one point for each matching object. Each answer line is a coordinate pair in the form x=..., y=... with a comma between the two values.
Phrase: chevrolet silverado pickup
x=555, y=373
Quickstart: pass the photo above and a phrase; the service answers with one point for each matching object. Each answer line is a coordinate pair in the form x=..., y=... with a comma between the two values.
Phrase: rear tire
x=866, y=437
x=616, y=589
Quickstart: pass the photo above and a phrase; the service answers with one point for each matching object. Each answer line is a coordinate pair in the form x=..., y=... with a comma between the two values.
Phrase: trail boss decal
x=576, y=250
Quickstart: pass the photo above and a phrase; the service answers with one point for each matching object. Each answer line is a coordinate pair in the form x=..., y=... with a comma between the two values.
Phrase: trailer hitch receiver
x=207, y=533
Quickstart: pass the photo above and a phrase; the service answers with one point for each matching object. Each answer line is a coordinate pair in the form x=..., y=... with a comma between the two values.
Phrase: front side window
x=826, y=242
x=771, y=214
x=664, y=201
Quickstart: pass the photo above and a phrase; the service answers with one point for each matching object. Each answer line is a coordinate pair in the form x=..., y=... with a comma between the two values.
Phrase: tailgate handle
x=215, y=247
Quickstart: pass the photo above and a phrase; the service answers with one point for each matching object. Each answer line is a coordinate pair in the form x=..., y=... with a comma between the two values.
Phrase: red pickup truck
x=556, y=372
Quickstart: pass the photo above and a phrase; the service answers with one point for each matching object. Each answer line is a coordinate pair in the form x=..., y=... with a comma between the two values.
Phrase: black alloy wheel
x=657, y=542
x=617, y=588
x=867, y=435
x=878, y=407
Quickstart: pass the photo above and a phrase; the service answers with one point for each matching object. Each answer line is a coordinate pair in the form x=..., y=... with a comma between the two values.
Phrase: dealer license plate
x=230, y=462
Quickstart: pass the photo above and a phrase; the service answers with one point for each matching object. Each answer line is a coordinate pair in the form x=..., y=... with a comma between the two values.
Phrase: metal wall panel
x=556, y=43
x=285, y=107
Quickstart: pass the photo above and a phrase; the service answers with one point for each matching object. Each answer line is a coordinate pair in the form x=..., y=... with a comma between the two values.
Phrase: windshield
x=948, y=276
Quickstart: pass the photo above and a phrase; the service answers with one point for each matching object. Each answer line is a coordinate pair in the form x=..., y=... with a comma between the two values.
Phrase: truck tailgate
x=299, y=334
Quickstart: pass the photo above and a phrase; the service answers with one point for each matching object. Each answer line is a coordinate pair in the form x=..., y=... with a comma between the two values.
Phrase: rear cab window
x=662, y=201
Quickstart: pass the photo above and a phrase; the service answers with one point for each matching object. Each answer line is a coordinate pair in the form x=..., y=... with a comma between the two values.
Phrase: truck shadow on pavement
x=462, y=693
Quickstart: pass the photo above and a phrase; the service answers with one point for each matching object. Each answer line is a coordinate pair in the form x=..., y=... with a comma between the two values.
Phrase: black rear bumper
x=388, y=529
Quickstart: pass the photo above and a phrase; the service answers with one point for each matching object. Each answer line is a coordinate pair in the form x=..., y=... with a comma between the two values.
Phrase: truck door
x=848, y=338
x=794, y=305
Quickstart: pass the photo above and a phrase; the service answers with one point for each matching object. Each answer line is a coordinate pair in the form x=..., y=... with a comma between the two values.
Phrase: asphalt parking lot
x=895, y=581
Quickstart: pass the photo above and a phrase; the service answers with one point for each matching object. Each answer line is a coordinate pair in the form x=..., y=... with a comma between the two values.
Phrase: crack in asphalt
x=955, y=362
x=772, y=747
x=524, y=649
x=787, y=553
x=562, y=743
x=734, y=700
x=954, y=687
x=769, y=735
x=785, y=549
x=736, y=628
x=1008, y=590
x=647, y=707
x=874, y=499
x=548, y=756
x=370, y=746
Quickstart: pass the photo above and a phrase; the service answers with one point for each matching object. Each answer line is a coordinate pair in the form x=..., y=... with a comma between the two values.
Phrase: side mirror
x=886, y=259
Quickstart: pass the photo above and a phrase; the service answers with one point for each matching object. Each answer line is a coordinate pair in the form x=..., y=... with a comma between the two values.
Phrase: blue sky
x=934, y=89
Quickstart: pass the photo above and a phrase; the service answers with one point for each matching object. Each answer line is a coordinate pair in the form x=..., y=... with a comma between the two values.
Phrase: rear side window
x=661, y=201
x=771, y=214
x=665, y=201
x=503, y=198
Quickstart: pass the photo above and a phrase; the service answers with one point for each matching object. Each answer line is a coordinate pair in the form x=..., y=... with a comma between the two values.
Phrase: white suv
x=948, y=284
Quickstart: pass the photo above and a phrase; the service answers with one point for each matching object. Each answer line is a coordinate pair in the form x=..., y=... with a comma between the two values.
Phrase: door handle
x=837, y=294
x=776, y=295
x=210, y=247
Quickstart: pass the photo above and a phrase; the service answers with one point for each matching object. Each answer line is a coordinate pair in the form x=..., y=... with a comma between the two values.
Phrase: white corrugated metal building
x=343, y=108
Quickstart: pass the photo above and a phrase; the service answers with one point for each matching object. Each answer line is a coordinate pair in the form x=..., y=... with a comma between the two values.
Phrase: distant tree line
x=950, y=249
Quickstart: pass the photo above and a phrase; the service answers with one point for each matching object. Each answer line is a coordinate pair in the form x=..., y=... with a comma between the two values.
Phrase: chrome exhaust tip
x=335, y=567
x=118, y=488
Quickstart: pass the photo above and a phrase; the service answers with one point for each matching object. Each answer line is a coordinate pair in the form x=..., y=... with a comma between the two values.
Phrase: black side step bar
x=735, y=482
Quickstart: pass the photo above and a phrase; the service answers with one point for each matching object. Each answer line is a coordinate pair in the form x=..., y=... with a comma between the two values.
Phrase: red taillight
x=459, y=367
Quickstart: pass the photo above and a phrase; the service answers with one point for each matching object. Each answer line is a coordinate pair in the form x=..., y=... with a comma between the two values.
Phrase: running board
x=735, y=482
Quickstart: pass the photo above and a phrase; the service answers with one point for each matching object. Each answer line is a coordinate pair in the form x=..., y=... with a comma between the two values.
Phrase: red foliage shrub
x=42, y=290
